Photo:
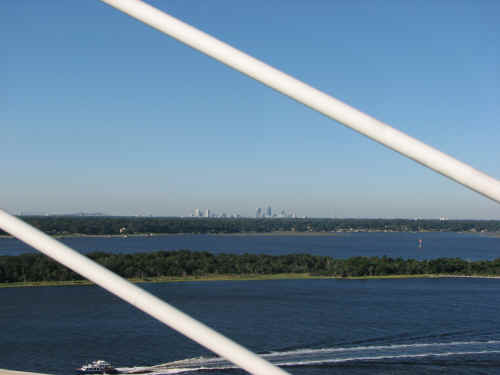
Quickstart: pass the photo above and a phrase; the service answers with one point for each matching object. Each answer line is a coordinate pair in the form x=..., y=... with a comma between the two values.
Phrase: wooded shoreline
x=64, y=226
x=186, y=265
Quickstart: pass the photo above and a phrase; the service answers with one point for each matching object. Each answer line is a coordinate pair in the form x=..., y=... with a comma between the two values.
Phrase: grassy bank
x=249, y=277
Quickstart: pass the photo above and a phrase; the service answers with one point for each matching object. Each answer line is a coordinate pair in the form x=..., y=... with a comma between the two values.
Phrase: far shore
x=252, y=277
x=260, y=234
x=265, y=234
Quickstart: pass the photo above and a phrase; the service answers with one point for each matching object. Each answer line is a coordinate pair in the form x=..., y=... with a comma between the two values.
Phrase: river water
x=435, y=244
x=313, y=327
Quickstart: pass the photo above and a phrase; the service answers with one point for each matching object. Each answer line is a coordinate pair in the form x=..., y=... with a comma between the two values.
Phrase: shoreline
x=248, y=277
x=263, y=234
x=251, y=234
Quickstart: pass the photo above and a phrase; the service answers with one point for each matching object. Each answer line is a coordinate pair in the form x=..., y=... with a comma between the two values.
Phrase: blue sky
x=102, y=113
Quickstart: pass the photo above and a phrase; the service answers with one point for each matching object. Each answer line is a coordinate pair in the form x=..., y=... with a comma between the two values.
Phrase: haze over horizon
x=104, y=114
x=231, y=215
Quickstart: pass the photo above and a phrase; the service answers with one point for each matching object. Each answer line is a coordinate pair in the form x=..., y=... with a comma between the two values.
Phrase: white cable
x=138, y=297
x=313, y=98
x=321, y=102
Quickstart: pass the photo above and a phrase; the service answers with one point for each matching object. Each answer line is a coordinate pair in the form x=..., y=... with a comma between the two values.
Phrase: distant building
x=207, y=213
x=196, y=212
x=258, y=213
x=269, y=211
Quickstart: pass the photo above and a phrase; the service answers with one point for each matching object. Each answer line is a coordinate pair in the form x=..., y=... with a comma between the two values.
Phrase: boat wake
x=324, y=356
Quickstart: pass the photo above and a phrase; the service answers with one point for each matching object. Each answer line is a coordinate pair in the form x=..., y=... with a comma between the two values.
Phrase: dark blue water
x=435, y=245
x=313, y=327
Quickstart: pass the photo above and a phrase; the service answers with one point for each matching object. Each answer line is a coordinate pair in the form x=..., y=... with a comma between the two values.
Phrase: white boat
x=97, y=367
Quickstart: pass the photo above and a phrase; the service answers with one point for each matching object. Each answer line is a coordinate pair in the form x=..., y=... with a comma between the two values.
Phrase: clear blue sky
x=102, y=113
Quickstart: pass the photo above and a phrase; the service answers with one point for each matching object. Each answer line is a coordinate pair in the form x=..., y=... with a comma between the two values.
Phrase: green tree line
x=37, y=267
x=66, y=225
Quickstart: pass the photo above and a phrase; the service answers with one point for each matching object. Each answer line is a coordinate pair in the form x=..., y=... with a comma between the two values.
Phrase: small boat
x=97, y=367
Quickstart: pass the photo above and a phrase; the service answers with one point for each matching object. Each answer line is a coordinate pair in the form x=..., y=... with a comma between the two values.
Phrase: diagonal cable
x=313, y=98
x=138, y=297
x=301, y=92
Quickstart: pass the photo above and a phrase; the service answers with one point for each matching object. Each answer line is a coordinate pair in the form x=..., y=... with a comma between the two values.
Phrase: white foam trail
x=381, y=347
x=308, y=357
x=445, y=354
x=327, y=361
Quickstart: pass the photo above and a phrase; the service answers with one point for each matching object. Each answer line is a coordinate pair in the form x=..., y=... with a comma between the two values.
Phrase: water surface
x=408, y=326
x=435, y=245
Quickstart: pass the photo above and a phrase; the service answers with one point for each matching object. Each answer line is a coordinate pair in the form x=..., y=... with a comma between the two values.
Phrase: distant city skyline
x=104, y=114
x=209, y=213
x=260, y=213
x=268, y=213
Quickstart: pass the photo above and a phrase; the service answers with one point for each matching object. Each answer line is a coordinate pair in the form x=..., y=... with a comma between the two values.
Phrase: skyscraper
x=258, y=213
x=269, y=211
